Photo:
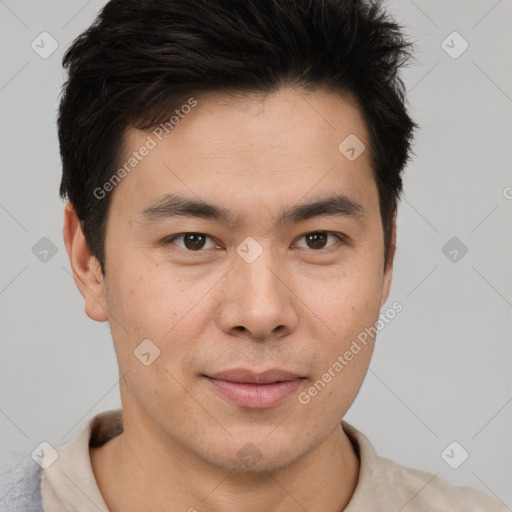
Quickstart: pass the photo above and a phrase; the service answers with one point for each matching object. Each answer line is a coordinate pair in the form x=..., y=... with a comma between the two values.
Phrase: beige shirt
x=68, y=484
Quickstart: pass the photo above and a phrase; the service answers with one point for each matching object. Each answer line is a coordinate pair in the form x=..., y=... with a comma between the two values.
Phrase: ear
x=388, y=271
x=86, y=268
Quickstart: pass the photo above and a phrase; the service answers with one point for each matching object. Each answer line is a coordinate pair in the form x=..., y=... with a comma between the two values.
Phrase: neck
x=143, y=471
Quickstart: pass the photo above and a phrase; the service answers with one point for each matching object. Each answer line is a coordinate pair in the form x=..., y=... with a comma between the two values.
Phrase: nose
x=258, y=300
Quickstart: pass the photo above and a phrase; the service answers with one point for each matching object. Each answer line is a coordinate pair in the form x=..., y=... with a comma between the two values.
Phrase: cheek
x=348, y=309
x=345, y=344
x=346, y=303
x=145, y=297
x=149, y=305
x=151, y=302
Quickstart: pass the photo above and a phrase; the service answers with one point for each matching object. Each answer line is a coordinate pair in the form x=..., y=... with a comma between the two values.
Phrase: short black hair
x=140, y=58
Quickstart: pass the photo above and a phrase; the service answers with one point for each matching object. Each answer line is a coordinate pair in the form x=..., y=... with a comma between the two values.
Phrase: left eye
x=317, y=239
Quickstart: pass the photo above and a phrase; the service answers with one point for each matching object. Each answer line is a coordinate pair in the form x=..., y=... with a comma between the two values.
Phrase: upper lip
x=242, y=376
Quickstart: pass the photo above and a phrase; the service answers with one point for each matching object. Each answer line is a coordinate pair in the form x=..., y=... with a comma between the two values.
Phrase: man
x=233, y=171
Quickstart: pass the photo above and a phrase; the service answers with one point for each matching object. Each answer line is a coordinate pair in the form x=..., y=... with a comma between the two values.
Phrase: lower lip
x=256, y=396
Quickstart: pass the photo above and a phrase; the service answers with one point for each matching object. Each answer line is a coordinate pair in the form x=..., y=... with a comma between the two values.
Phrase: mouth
x=253, y=390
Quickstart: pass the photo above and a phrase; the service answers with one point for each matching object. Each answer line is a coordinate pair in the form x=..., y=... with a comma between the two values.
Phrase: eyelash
x=342, y=240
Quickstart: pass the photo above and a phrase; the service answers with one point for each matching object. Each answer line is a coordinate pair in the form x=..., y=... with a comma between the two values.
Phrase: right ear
x=86, y=268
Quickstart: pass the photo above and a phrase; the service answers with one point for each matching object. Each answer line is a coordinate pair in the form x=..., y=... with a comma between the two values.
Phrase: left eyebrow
x=172, y=205
x=335, y=205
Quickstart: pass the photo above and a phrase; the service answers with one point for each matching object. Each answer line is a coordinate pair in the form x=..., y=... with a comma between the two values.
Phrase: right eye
x=193, y=242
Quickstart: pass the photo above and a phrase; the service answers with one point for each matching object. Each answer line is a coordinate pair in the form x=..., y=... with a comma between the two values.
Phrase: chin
x=252, y=456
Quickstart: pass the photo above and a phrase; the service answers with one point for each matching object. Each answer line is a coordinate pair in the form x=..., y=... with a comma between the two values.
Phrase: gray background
x=441, y=370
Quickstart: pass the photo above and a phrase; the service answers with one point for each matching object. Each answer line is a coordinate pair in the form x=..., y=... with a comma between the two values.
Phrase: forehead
x=284, y=145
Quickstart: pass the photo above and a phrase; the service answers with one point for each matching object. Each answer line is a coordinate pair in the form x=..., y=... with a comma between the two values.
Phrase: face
x=250, y=301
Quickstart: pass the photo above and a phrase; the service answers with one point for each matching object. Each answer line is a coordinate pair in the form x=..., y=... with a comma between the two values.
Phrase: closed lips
x=243, y=376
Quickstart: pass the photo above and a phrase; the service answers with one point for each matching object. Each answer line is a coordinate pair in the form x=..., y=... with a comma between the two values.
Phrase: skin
x=295, y=307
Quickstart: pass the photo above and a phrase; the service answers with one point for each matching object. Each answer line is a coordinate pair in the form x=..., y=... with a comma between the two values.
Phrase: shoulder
x=20, y=485
x=425, y=491
x=385, y=484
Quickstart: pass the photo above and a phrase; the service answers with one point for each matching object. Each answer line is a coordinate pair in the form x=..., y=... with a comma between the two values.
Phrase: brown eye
x=194, y=241
x=319, y=240
x=191, y=241
x=316, y=240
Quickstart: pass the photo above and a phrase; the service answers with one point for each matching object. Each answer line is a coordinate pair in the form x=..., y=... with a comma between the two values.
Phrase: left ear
x=388, y=271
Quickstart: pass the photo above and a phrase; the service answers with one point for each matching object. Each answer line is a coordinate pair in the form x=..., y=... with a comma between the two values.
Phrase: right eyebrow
x=172, y=205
